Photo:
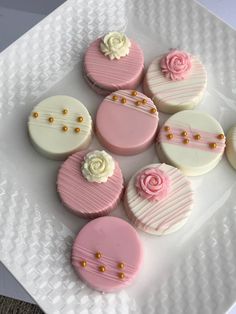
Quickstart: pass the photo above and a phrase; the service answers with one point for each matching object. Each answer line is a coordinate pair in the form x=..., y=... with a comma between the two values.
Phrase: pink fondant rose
x=176, y=65
x=152, y=184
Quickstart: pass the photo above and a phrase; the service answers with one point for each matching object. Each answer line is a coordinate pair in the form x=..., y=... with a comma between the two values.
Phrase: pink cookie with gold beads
x=107, y=254
x=126, y=122
x=158, y=199
x=90, y=184
x=113, y=62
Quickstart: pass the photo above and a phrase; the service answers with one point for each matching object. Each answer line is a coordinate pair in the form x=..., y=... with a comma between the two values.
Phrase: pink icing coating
x=126, y=129
x=84, y=198
x=176, y=65
x=152, y=184
x=105, y=75
x=118, y=242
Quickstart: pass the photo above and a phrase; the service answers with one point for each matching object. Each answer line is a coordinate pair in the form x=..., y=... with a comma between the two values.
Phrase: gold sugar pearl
x=115, y=97
x=80, y=119
x=144, y=101
x=35, y=114
x=213, y=145
x=138, y=103
x=65, y=128
x=50, y=119
x=65, y=111
x=98, y=255
x=197, y=137
x=102, y=268
x=167, y=128
x=121, y=265
x=121, y=275
x=184, y=133
x=83, y=263
x=170, y=136
x=123, y=100
x=153, y=110
x=221, y=136
x=77, y=130
x=186, y=141
x=134, y=93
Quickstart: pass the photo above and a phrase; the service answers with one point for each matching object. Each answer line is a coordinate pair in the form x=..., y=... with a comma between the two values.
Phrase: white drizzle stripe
x=171, y=210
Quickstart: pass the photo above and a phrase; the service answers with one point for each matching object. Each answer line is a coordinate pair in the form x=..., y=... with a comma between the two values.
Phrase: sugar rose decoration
x=152, y=184
x=98, y=166
x=115, y=45
x=176, y=65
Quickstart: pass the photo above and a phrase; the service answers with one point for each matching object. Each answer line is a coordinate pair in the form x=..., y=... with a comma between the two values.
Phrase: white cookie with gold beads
x=231, y=146
x=59, y=126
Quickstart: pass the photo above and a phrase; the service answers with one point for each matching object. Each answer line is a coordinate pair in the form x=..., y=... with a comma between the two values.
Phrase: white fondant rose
x=98, y=166
x=115, y=45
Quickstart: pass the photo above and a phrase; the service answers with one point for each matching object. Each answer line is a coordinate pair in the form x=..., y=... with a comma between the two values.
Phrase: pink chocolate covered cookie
x=107, y=254
x=90, y=183
x=113, y=62
x=126, y=122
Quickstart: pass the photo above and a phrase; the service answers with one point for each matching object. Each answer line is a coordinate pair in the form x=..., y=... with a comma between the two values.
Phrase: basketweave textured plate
x=190, y=271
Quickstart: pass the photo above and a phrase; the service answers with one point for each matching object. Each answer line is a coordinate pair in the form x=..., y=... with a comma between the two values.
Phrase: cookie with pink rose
x=158, y=199
x=175, y=81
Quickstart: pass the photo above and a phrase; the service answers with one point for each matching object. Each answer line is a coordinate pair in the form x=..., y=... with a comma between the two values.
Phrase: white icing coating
x=115, y=45
x=164, y=216
x=231, y=146
x=49, y=138
x=171, y=96
x=98, y=166
x=196, y=157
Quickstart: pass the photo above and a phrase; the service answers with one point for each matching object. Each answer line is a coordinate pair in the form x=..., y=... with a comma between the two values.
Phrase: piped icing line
x=206, y=138
x=132, y=100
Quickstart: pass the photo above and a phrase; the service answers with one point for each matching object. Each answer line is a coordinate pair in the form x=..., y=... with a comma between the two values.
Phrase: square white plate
x=190, y=271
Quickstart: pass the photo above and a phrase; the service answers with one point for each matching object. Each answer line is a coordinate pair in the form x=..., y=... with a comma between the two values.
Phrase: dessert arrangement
x=158, y=199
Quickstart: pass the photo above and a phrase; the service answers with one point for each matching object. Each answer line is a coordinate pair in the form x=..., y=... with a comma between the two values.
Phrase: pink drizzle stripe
x=202, y=144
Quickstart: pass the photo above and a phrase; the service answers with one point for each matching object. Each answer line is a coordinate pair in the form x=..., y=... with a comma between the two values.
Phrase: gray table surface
x=18, y=16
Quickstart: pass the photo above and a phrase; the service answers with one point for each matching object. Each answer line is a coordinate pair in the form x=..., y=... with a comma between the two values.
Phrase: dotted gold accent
x=50, y=119
x=115, y=97
x=134, y=93
x=98, y=255
x=167, y=128
x=65, y=128
x=121, y=265
x=65, y=111
x=80, y=119
x=102, y=268
x=153, y=110
x=186, y=141
x=123, y=100
x=221, y=136
x=144, y=101
x=184, y=133
x=121, y=275
x=83, y=263
x=197, y=137
x=138, y=103
x=35, y=114
x=77, y=130
x=213, y=145
x=170, y=136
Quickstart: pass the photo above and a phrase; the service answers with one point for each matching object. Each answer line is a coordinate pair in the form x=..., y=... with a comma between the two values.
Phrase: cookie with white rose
x=113, y=62
x=90, y=184
x=159, y=199
x=175, y=81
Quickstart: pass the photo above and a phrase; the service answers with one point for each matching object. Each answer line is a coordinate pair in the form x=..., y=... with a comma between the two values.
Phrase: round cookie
x=126, y=122
x=90, y=184
x=175, y=81
x=231, y=146
x=158, y=199
x=59, y=126
x=107, y=254
x=192, y=141
x=113, y=62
